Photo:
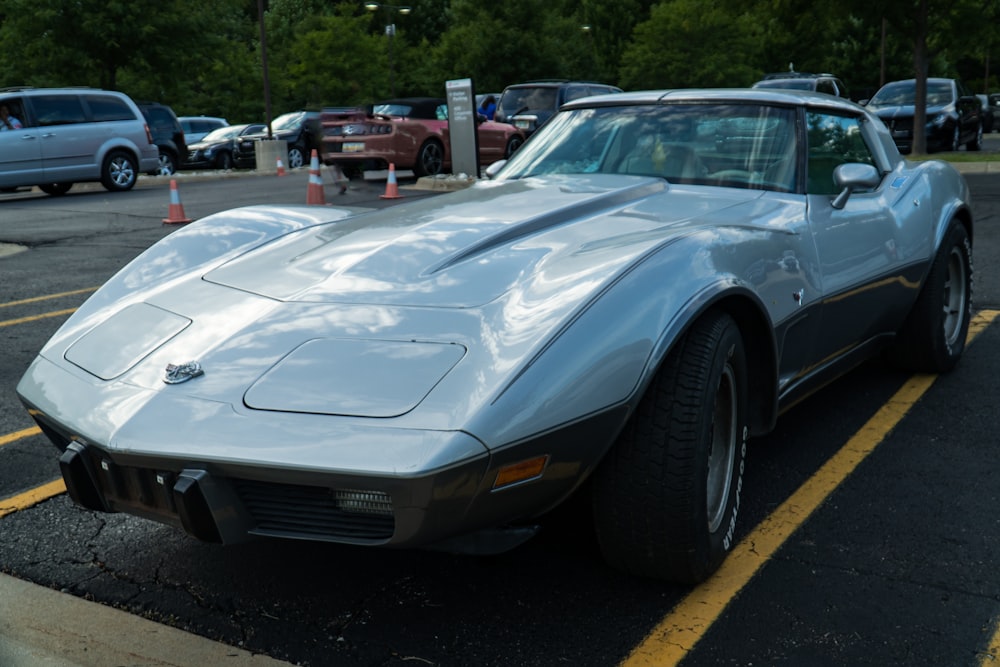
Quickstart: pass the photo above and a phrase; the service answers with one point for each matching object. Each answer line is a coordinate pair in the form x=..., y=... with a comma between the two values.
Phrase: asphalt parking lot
x=870, y=537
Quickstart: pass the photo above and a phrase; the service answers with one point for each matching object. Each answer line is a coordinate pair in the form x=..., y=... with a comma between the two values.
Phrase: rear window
x=104, y=108
x=58, y=109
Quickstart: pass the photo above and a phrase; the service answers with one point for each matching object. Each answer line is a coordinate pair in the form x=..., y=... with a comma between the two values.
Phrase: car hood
x=479, y=244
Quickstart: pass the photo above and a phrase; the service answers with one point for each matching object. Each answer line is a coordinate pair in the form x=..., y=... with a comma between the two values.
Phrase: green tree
x=686, y=43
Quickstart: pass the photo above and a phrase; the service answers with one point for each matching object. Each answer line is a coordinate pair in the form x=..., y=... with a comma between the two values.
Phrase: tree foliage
x=206, y=57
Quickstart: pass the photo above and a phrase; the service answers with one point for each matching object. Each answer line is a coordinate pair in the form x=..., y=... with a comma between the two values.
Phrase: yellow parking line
x=47, y=297
x=18, y=435
x=33, y=497
x=32, y=318
x=678, y=632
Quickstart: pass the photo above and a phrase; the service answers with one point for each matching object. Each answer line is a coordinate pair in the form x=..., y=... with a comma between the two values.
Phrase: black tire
x=512, y=145
x=977, y=142
x=168, y=164
x=296, y=157
x=430, y=159
x=55, y=189
x=933, y=337
x=119, y=171
x=224, y=160
x=666, y=498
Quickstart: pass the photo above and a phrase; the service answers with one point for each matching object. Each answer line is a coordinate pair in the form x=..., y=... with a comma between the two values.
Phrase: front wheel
x=296, y=157
x=666, y=498
x=933, y=337
x=224, y=161
x=430, y=159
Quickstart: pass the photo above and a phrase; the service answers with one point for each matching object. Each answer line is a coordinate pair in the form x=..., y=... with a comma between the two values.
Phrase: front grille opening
x=311, y=512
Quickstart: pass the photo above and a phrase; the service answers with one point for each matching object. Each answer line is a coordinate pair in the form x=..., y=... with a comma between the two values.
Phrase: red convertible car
x=410, y=133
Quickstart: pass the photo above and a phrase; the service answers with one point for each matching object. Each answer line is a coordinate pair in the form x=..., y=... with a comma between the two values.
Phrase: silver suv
x=70, y=135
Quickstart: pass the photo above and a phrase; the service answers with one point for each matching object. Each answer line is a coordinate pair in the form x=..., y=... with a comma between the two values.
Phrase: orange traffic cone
x=175, y=214
x=281, y=168
x=314, y=193
x=391, y=187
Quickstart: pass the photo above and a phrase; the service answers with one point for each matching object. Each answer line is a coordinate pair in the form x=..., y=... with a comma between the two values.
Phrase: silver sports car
x=643, y=287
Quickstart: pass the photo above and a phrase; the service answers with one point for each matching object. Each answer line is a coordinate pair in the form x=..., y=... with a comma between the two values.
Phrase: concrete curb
x=40, y=627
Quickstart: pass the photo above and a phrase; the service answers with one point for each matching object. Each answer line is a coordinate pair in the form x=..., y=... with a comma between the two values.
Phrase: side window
x=105, y=108
x=16, y=109
x=833, y=140
x=58, y=109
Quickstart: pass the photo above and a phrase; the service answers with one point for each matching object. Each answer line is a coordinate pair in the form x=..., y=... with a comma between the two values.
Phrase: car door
x=862, y=272
x=69, y=142
x=20, y=149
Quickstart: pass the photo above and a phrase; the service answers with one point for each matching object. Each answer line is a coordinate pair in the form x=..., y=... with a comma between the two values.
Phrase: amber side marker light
x=515, y=473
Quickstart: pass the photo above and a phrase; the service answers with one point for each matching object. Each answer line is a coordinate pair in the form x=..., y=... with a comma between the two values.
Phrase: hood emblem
x=182, y=372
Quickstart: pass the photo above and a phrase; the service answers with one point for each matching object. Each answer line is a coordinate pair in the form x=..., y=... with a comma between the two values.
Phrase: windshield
x=904, y=93
x=289, y=121
x=736, y=145
x=222, y=133
x=516, y=100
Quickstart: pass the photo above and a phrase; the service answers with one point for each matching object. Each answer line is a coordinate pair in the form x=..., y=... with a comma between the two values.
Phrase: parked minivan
x=72, y=135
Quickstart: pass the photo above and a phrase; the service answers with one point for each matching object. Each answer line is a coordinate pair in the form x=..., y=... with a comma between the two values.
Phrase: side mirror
x=853, y=176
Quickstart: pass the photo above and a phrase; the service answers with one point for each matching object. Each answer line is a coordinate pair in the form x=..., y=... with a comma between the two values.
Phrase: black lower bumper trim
x=81, y=482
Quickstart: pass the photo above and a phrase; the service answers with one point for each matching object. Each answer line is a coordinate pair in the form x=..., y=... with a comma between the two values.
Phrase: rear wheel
x=168, y=164
x=430, y=159
x=55, y=189
x=119, y=171
x=666, y=497
x=933, y=337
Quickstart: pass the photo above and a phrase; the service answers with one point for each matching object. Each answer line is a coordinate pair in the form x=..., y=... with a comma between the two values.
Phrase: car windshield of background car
x=289, y=121
x=399, y=110
x=222, y=133
x=905, y=93
x=516, y=100
x=737, y=145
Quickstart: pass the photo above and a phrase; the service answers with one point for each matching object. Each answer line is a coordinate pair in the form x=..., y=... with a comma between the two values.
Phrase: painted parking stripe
x=34, y=318
x=680, y=630
x=47, y=297
x=23, y=501
x=19, y=435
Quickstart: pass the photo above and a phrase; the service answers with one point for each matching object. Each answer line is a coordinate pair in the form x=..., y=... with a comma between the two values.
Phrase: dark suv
x=820, y=83
x=953, y=114
x=168, y=135
x=299, y=129
x=528, y=105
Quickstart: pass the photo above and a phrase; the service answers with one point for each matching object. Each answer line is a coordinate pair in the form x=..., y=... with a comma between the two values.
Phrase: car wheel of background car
x=118, y=171
x=665, y=499
x=168, y=165
x=933, y=336
x=55, y=189
x=430, y=159
x=977, y=143
x=512, y=145
x=296, y=157
x=224, y=161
